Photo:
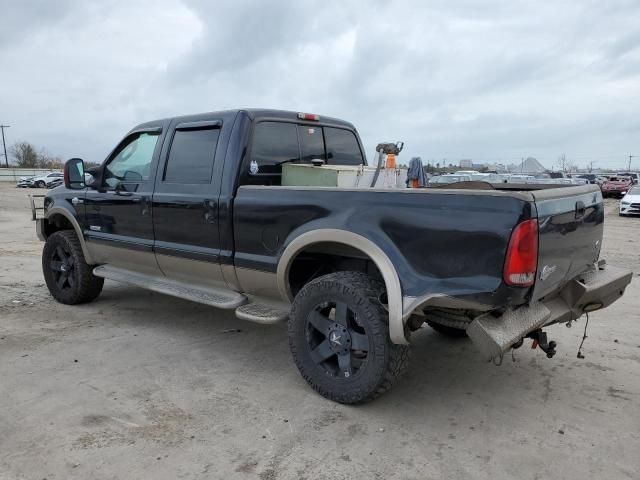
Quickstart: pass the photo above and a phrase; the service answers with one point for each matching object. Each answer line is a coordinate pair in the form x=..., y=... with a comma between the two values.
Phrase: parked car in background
x=616, y=186
x=630, y=203
x=25, y=182
x=448, y=178
x=520, y=178
x=44, y=181
x=56, y=182
x=635, y=176
x=591, y=178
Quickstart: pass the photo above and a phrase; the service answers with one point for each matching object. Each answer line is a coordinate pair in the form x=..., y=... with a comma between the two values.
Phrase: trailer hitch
x=540, y=340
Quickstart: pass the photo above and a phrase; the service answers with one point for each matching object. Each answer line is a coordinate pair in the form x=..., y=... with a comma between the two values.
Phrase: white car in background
x=48, y=180
x=630, y=203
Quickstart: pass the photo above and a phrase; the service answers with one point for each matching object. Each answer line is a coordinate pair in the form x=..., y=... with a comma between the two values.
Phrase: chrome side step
x=261, y=313
x=220, y=298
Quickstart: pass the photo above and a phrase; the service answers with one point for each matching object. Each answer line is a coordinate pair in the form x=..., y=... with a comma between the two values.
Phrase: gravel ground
x=140, y=385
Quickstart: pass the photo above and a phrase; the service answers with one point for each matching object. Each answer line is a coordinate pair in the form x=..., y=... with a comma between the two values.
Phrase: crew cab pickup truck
x=194, y=207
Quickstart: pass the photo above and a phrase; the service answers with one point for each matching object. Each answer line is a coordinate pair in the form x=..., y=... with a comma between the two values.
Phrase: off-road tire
x=385, y=362
x=448, y=331
x=84, y=286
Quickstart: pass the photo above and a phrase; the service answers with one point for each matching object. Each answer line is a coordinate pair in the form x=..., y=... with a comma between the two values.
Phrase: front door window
x=132, y=162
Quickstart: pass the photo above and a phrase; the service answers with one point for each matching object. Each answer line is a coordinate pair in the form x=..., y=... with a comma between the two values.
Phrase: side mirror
x=74, y=174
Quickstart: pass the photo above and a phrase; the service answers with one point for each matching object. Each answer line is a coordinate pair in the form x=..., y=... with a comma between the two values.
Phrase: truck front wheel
x=68, y=277
x=339, y=338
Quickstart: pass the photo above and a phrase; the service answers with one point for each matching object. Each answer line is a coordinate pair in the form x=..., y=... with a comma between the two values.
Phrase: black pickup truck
x=194, y=207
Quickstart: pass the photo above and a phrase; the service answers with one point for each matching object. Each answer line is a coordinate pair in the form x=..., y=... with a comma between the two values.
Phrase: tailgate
x=570, y=223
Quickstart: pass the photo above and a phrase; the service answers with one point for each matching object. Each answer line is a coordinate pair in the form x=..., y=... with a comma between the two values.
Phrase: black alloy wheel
x=69, y=278
x=339, y=338
x=338, y=344
x=62, y=266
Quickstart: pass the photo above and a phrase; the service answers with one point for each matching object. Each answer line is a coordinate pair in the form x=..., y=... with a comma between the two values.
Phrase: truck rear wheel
x=339, y=338
x=68, y=277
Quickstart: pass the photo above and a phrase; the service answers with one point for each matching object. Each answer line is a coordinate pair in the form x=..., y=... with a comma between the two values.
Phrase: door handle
x=123, y=193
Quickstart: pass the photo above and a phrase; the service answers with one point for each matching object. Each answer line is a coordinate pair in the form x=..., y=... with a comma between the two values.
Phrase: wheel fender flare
x=76, y=226
x=373, y=251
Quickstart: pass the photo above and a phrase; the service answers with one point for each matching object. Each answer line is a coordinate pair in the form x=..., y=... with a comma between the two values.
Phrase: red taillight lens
x=309, y=116
x=521, y=262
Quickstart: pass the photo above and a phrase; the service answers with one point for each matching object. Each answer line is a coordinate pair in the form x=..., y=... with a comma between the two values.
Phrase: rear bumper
x=588, y=292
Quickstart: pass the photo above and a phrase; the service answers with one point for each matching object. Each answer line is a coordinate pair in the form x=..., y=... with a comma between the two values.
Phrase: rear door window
x=342, y=147
x=191, y=156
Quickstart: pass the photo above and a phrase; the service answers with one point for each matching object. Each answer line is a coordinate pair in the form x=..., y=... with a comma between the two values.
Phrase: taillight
x=521, y=262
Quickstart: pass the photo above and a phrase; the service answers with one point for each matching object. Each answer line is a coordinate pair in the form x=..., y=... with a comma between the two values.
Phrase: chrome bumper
x=593, y=290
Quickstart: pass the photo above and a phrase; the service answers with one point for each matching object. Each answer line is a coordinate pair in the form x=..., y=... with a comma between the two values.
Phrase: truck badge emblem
x=547, y=271
x=253, y=167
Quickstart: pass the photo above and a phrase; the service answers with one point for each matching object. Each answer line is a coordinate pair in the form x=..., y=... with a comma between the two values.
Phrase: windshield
x=634, y=191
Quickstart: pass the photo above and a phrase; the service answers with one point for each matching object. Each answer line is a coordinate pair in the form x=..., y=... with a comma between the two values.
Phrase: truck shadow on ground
x=441, y=368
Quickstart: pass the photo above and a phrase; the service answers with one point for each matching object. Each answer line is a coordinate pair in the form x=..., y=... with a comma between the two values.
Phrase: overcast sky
x=488, y=81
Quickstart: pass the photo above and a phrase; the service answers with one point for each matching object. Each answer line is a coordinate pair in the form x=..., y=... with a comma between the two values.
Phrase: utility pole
x=630, y=157
x=4, y=145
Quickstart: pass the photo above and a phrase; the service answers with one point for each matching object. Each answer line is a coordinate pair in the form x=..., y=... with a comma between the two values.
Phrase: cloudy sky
x=489, y=81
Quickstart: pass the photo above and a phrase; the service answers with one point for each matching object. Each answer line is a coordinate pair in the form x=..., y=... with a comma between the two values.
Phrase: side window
x=191, y=156
x=274, y=143
x=311, y=143
x=342, y=147
x=132, y=161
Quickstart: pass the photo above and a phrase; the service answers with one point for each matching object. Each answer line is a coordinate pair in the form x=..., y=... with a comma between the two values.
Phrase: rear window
x=342, y=147
x=311, y=143
x=191, y=156
x=274, y=143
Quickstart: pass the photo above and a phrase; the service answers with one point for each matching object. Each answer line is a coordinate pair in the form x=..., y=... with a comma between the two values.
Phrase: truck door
x=185, y=203
x=118, y=223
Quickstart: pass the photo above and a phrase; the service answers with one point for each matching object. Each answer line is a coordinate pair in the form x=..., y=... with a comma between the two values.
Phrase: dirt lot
x=139, y=385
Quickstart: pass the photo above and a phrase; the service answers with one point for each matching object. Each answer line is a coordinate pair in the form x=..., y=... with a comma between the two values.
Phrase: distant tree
x=566, y=165
x=25, y=155
x=49, y=162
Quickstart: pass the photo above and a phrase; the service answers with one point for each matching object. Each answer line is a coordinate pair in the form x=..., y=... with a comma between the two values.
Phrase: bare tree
x=565, y=165
x=48, y=161
x=25, y=155
x=562, y=162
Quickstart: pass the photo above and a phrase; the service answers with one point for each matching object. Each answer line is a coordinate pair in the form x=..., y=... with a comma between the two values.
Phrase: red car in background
x=616, y=186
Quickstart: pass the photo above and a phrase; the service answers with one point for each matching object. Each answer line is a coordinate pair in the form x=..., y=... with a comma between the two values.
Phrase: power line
x=4, y=145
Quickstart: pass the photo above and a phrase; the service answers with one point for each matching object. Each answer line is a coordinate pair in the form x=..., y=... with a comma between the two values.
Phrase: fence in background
x=14, y=174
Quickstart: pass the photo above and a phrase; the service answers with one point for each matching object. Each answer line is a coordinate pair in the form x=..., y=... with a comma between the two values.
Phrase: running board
x=261, y=313
x=220, y=298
